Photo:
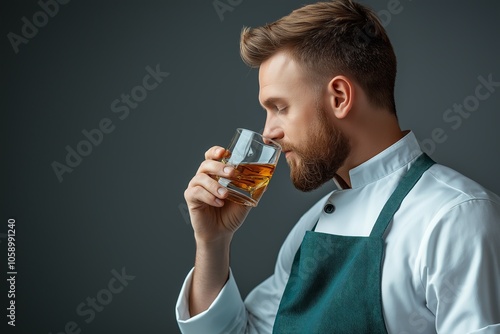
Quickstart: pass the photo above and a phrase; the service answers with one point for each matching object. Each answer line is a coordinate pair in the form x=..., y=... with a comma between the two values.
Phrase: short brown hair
x=331, y=38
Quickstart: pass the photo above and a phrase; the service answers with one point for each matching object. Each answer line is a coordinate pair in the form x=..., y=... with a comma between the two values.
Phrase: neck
x=368, y=142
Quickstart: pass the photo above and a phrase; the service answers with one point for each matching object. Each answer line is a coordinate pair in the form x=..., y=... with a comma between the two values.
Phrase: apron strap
x=418, y=168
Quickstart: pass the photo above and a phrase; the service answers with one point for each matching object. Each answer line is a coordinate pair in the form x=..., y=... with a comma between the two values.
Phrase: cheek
x=299, y=125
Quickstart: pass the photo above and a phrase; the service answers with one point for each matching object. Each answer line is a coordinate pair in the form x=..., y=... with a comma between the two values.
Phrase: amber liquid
x=249, y=183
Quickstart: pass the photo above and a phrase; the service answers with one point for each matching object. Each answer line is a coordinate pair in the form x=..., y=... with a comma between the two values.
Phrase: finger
x=208, y=184
x=216, y=153
x=203, y=189
x=216, y=168
x=198, y=195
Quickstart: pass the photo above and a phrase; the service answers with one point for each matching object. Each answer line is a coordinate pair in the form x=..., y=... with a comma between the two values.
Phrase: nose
x=272, y=129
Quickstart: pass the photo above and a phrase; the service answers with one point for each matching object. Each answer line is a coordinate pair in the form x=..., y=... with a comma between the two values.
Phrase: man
x=403, y=246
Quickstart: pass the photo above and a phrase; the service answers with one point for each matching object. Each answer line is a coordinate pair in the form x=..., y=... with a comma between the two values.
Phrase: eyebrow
x=272, y=101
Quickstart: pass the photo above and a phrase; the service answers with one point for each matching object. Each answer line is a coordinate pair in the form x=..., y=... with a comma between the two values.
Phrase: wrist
x=218, y=242
x=218, y=245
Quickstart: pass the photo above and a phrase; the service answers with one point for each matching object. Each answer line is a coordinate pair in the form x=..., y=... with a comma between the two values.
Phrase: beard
x=318, y=159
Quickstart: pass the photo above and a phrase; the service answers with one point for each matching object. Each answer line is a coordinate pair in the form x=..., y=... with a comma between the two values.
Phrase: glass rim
x=273, y=142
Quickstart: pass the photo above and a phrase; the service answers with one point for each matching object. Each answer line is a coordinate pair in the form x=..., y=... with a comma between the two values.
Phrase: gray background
x=122, y=207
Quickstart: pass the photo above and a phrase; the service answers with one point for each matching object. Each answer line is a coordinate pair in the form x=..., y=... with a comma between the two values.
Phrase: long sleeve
x=227, y=313
x=460, y=268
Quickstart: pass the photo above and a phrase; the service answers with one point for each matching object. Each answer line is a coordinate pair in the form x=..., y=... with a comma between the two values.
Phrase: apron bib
x=335, y=281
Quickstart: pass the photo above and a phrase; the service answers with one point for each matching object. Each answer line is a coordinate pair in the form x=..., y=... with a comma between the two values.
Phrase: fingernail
x=222, y=191
x=219, y=202
x=227, y=170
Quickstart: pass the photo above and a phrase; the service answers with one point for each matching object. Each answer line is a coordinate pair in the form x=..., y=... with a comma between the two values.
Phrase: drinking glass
x=254, y=158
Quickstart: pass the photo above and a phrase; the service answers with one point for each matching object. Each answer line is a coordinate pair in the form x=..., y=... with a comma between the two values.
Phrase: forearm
x=211, y=272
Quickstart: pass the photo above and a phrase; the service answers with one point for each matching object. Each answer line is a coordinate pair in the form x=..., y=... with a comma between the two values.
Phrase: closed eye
x=274, y=104
x=280, y=110
x=275, y=109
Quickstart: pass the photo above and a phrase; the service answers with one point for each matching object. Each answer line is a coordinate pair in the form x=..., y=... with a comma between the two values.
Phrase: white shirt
x=441, y=270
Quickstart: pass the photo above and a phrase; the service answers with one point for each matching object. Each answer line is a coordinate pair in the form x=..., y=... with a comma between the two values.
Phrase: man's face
x=297, y=119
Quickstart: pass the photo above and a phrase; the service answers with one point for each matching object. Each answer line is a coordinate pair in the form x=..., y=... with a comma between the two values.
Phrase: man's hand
x=212, y=217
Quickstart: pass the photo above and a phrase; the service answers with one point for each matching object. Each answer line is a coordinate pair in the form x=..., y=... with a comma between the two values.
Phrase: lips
x=285, y=149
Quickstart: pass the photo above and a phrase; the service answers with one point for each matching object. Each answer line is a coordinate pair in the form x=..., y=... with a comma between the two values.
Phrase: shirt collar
x=386, y=162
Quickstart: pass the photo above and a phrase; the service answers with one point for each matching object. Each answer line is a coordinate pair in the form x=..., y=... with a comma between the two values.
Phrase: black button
x=329, y=208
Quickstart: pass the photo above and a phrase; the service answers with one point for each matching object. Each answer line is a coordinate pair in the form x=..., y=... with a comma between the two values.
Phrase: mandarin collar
x=393, y=158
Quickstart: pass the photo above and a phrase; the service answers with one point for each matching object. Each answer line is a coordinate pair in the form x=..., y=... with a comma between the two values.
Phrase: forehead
x=281, y=76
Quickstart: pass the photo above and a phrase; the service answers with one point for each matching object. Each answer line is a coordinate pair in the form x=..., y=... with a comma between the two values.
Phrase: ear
x=340, y=96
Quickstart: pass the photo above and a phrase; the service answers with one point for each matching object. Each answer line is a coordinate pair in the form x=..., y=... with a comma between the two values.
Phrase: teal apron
x=335, y=281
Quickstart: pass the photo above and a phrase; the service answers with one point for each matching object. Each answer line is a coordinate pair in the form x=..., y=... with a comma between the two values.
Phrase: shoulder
x=446, y=212
x=456, y=186
x=463, y=217
x=443, y=190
